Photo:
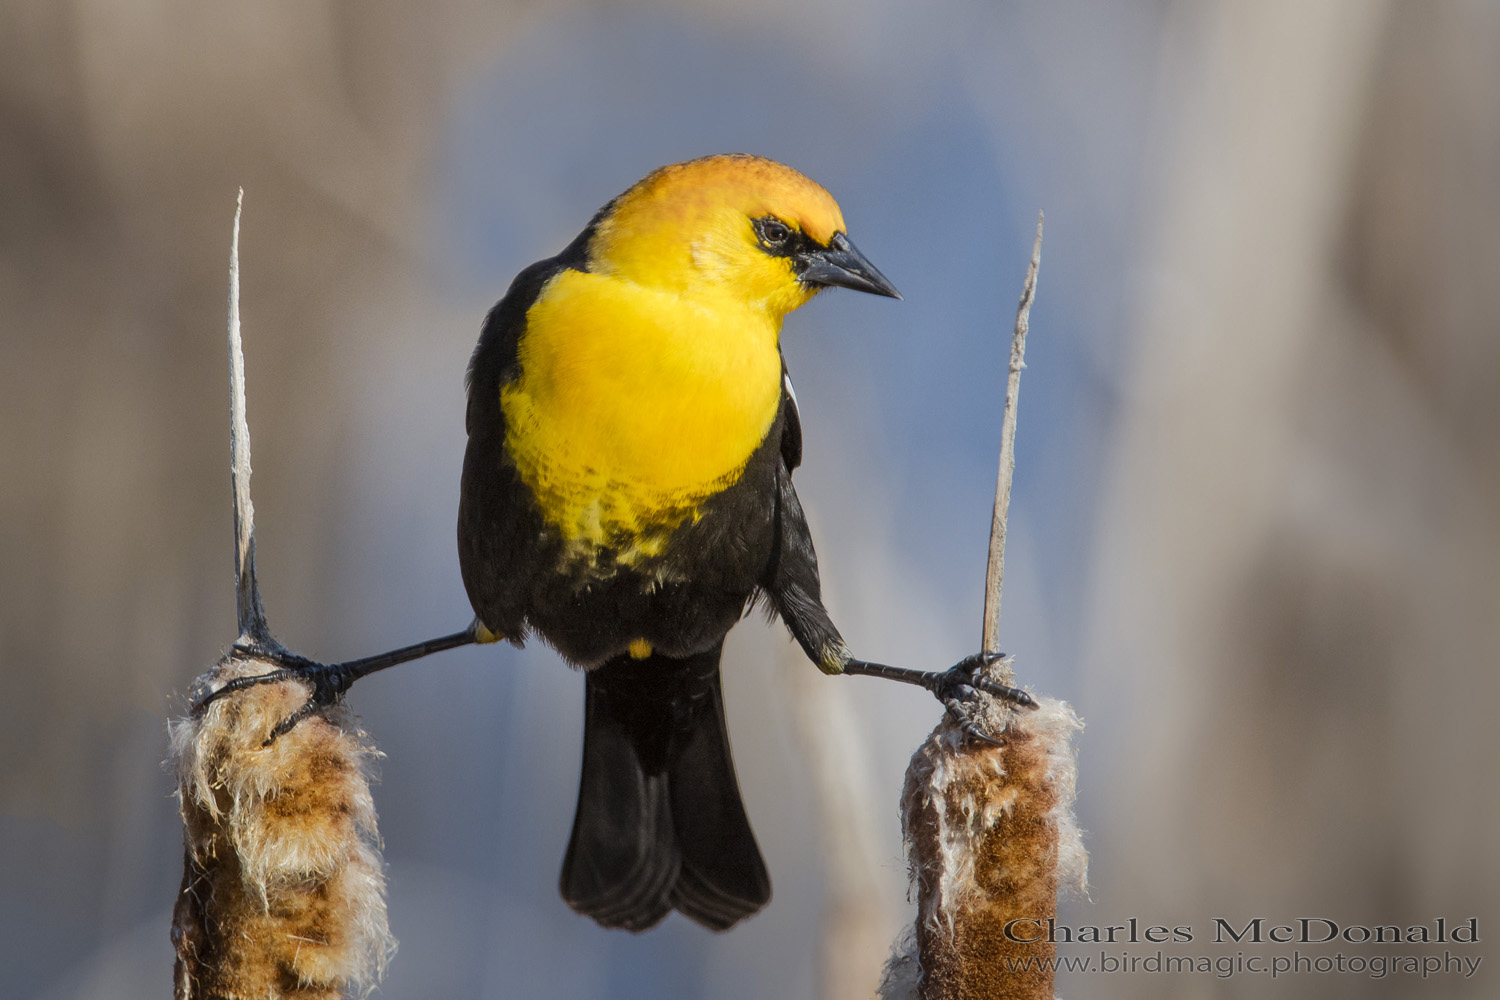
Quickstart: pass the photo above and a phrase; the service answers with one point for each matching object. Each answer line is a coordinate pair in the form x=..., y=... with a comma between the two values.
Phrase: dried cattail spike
x=283, y=892
x=991, y=837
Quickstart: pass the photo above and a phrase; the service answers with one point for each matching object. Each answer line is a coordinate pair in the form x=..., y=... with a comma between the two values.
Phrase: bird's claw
x=327, y=681
x=958, y=688
x=966, y=722
x=971, y=670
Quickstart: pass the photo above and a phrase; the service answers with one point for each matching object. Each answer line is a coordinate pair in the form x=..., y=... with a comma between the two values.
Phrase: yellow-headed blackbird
x=627, y=495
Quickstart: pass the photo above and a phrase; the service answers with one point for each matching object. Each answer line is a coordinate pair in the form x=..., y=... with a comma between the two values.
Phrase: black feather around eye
x=774, y=234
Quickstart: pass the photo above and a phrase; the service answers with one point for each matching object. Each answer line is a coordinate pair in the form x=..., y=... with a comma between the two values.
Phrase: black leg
x=329, y=680
x=955, y=687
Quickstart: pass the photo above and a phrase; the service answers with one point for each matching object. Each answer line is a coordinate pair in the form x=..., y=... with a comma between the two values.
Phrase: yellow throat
x=648, y=380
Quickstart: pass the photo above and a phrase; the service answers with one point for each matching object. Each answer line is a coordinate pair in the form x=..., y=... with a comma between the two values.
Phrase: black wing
x=791, y=580
x=499, y=528
x=791, y=425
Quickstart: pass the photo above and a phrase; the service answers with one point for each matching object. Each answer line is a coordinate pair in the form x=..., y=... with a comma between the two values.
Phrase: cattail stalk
x=283, y=888
x=990, y=832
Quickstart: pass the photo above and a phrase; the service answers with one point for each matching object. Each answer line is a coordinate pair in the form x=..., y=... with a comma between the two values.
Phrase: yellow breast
x=634, y=405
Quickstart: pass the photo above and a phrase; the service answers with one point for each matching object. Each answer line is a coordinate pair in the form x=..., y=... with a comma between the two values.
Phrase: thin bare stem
x=989, y=825
x=995, y=576
x=252, y=616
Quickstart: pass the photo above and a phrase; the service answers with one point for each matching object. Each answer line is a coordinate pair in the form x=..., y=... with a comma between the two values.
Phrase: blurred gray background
x=1255, y=540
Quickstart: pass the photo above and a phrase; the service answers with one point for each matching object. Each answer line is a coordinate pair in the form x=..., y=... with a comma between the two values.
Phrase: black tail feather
x=722, y=877
x=660, y=823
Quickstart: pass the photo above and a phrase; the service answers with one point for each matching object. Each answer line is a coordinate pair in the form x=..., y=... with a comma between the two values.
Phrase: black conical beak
x=842, y=264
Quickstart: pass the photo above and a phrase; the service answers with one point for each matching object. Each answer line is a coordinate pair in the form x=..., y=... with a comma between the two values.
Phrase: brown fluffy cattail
x=283, y=889
x=991, y=839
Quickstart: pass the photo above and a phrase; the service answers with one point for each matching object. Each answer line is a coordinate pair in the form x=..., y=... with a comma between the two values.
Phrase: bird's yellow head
x=738, y=227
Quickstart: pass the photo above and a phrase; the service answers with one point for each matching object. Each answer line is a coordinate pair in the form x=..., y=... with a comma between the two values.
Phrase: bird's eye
x=774, y=232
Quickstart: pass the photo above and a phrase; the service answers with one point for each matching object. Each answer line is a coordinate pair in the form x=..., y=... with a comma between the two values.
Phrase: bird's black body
x=516, y=568
x=659, y=822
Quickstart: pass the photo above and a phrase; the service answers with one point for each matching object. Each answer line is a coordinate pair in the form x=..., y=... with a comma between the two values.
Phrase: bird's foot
x=970, y=671
x=958, y=689
x=328, y=682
